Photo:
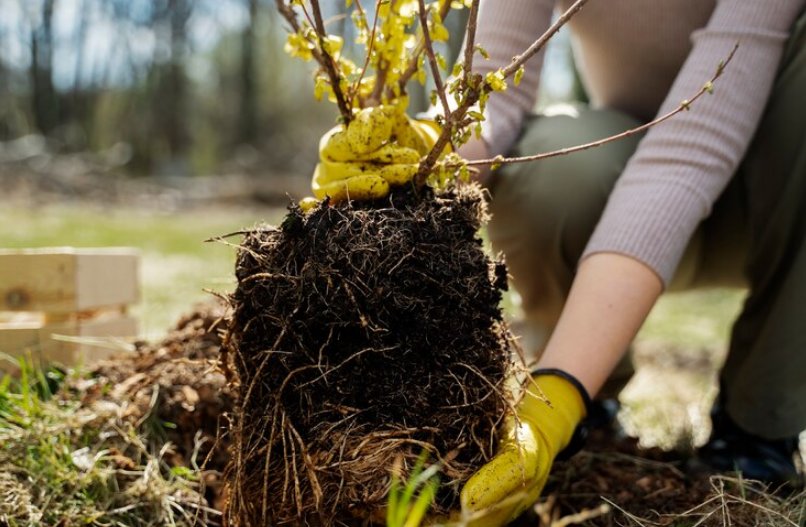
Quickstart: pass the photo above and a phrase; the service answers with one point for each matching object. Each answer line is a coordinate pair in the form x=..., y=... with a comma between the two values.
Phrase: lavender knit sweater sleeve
x=681, y=166
x=505, y=29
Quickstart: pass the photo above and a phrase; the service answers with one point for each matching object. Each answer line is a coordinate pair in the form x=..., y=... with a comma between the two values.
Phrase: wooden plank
x=70, y=344
x=61, y=280
x=107, y=279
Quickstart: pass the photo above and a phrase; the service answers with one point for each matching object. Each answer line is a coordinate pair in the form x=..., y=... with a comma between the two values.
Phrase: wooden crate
x=66, y=305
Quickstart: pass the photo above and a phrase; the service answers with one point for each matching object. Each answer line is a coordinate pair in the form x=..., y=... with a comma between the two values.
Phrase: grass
x=409, y=501
x=48, y=450
x=176, y=263
x=694, y=319
x=63, y=462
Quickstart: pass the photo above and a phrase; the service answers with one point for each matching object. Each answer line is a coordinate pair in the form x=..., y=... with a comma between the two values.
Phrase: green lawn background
x=177, y=265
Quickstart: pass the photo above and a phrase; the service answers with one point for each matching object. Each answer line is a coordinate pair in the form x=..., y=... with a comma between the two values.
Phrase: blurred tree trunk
x=6, y=98
x=44, y=99
x=79, y=44
x=180, y=11
x=171, y=95
x=78, y=103
x=248, y=111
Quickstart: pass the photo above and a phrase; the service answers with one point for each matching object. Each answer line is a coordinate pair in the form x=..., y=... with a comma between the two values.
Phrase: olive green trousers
x=543, y=214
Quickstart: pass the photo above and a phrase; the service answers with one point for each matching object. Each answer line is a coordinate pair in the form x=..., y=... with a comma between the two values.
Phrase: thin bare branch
x=474, y=86
x=427, y=164
x=380, y=84
x=319, y=53
x=414, y=63
x=361, y=9
x=329, y=63
x=432, y=59
x=684, y=106
x=470, y=37
x=307, y=15
x=541, y=42
x=355, y=89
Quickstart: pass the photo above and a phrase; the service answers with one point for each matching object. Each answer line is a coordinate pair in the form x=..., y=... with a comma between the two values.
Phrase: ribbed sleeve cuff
x=653, y=228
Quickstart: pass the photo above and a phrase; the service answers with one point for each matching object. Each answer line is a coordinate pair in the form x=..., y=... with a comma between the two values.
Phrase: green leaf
x=518, y=76
x=482, y=51
x=393, y=505
x=407, y=507
x=464, y=173
x=422, y=504
x=441, y=62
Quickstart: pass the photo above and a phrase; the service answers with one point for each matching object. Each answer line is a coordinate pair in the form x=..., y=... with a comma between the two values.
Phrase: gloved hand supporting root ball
x=380, y=148
x=546, y=420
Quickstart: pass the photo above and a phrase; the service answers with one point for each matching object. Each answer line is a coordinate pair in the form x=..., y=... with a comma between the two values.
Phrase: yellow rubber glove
x=513, y=480
x=380, y=148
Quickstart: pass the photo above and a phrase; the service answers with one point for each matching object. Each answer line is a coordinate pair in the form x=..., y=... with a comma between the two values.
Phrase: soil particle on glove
x=361, y=336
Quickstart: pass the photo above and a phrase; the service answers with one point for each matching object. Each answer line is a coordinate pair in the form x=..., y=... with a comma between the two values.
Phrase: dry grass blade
x=97, y=453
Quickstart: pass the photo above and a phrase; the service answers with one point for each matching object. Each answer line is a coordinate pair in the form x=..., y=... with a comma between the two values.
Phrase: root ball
x=362, y=335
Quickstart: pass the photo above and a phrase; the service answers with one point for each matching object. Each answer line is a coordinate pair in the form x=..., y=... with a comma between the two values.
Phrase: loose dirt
x=612, y=482
x=175, y=385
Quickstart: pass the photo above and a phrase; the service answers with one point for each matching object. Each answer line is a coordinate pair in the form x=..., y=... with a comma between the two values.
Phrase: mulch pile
x=361, y=336
x=174, y=385
x=615, y=482
x=177, y=381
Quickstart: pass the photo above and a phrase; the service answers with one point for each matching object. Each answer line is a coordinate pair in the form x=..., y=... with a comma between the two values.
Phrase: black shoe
x=602, y=414
x=731, y=449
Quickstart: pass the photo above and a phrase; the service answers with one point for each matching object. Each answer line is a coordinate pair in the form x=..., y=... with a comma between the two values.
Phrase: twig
x=328, y=63
x=361, y=9
x=432, y=59
x=684, y=106
x=472, y=84
x=474, y=87
x=307, y=15
x=414, y=63
x=356, y=88
x=540, y=43
x=381, y=69
x=319, y=53
x=470, y=37
x=380, y=83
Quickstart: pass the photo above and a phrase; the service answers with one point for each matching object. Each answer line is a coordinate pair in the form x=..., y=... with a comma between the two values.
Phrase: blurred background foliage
x=161, y=86
x=156, y=124
x=170, y=87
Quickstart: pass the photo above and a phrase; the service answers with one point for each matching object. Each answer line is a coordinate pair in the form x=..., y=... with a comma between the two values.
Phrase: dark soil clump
x=362, y=335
